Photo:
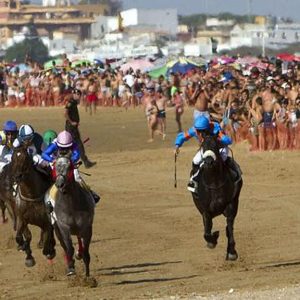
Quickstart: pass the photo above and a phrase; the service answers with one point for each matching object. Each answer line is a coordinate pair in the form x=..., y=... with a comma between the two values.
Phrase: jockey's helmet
x=26, y=133
x=49, y=136
x=10, y=126
x=2, y=137
x=64, y=139
x=202, y=123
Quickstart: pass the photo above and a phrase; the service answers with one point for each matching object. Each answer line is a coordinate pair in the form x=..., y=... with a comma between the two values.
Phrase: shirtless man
x=200, y=100
x=91, y=98
x=268, y=140
x=161, y=102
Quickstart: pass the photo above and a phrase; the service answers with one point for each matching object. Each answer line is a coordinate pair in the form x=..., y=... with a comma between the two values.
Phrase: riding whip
x=86, y=140
x=175, y=171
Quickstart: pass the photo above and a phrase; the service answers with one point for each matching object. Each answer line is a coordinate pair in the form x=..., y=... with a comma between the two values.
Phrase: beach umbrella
x=137, y=64
x=159, y=71
x=58, y=63
x=23, y=68
x=286, y=57
x=81, y=62
x=182, y=66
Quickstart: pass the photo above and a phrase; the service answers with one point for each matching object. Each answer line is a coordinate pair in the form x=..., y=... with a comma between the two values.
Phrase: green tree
x=30, y=47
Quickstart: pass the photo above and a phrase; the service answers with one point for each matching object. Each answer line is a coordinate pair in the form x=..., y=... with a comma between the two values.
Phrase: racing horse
x=217, y=193
x=29, y=206
x=74, y=211
x=7, y=200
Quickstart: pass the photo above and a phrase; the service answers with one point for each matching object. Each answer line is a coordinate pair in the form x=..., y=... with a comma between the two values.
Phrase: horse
x=217, y=193
x=29, y=206
x=74, y=210
x=7, y=199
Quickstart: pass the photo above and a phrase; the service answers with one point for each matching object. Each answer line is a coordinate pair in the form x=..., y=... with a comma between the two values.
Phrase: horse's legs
x=40, y=244
x=29, y=261
x=86, y=254
x=19, y=234
x=49, y=242
x=22, y=229
x=231, y=252
x=63, y=234
x=230, y=215
x=79, y=252
x=211, y=239
x=3, y=207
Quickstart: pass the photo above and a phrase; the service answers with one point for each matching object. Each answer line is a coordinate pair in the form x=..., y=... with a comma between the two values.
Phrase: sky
x=280, y=8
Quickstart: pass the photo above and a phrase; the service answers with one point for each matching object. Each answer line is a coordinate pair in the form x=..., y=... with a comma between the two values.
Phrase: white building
x=103, y=25
x=161, y=20
x=248, y=35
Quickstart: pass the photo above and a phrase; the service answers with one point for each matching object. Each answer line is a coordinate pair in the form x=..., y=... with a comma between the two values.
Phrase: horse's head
x=211, y=155
x=63, y=172
x=21, y=162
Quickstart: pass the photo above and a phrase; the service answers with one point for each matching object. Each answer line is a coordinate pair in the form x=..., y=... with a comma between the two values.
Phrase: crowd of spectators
x=260, y=104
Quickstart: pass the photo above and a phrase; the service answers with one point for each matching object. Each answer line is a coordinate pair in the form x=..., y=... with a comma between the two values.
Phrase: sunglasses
x=77, y=93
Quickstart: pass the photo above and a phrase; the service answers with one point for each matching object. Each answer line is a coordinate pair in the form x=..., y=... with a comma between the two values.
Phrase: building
x=159, y=20
x=14, y=16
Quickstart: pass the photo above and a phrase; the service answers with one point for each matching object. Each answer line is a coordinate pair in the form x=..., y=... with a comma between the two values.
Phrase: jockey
x=203, y=126
x=10, y=131
x=31, y=140
x=48, y=137
x=64, y=144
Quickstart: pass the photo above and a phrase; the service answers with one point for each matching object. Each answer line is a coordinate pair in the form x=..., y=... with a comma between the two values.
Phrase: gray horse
x=74, y=210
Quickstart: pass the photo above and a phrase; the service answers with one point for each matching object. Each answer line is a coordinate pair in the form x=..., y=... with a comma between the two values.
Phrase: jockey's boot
x=88, y=164
x=235, y=168
x=95, y=196
x=49, y=207
x=193, y=184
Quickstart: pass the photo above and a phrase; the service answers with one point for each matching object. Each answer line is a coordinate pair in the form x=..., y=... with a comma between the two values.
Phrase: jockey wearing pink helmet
x=63, y=142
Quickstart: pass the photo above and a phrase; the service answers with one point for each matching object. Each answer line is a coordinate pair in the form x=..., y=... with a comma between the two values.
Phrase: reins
x=24, y=198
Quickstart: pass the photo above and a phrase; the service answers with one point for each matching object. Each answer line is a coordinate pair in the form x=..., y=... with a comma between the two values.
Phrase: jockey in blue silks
x=64, y=143
x=203, y=125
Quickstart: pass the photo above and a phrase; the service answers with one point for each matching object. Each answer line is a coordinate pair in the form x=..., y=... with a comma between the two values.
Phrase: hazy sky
x=281, y=8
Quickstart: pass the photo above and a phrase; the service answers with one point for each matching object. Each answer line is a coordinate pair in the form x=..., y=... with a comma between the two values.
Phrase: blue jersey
x=215, y=129
x=51, y=152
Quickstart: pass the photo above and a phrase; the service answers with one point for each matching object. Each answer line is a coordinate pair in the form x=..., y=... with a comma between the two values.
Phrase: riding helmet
x=64, y=139
x=10, y=126
x=49, y=136
x=26, y=132
x=201, y=123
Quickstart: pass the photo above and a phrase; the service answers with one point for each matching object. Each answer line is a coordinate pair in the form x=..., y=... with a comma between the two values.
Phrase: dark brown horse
x=217, y=193
x=30, y=207
x=7, y=199
x=74, y=209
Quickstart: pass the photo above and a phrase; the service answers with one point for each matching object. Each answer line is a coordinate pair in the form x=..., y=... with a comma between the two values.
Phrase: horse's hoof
x=20, y=248
x=78, y=255
x=232, y=256
x=50, y=256
x=29, y=262
x=211, y=245
x=71, y=271
x=4, y=220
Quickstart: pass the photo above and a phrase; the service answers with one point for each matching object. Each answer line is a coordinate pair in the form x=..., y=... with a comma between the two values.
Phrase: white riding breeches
x=197, y=160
